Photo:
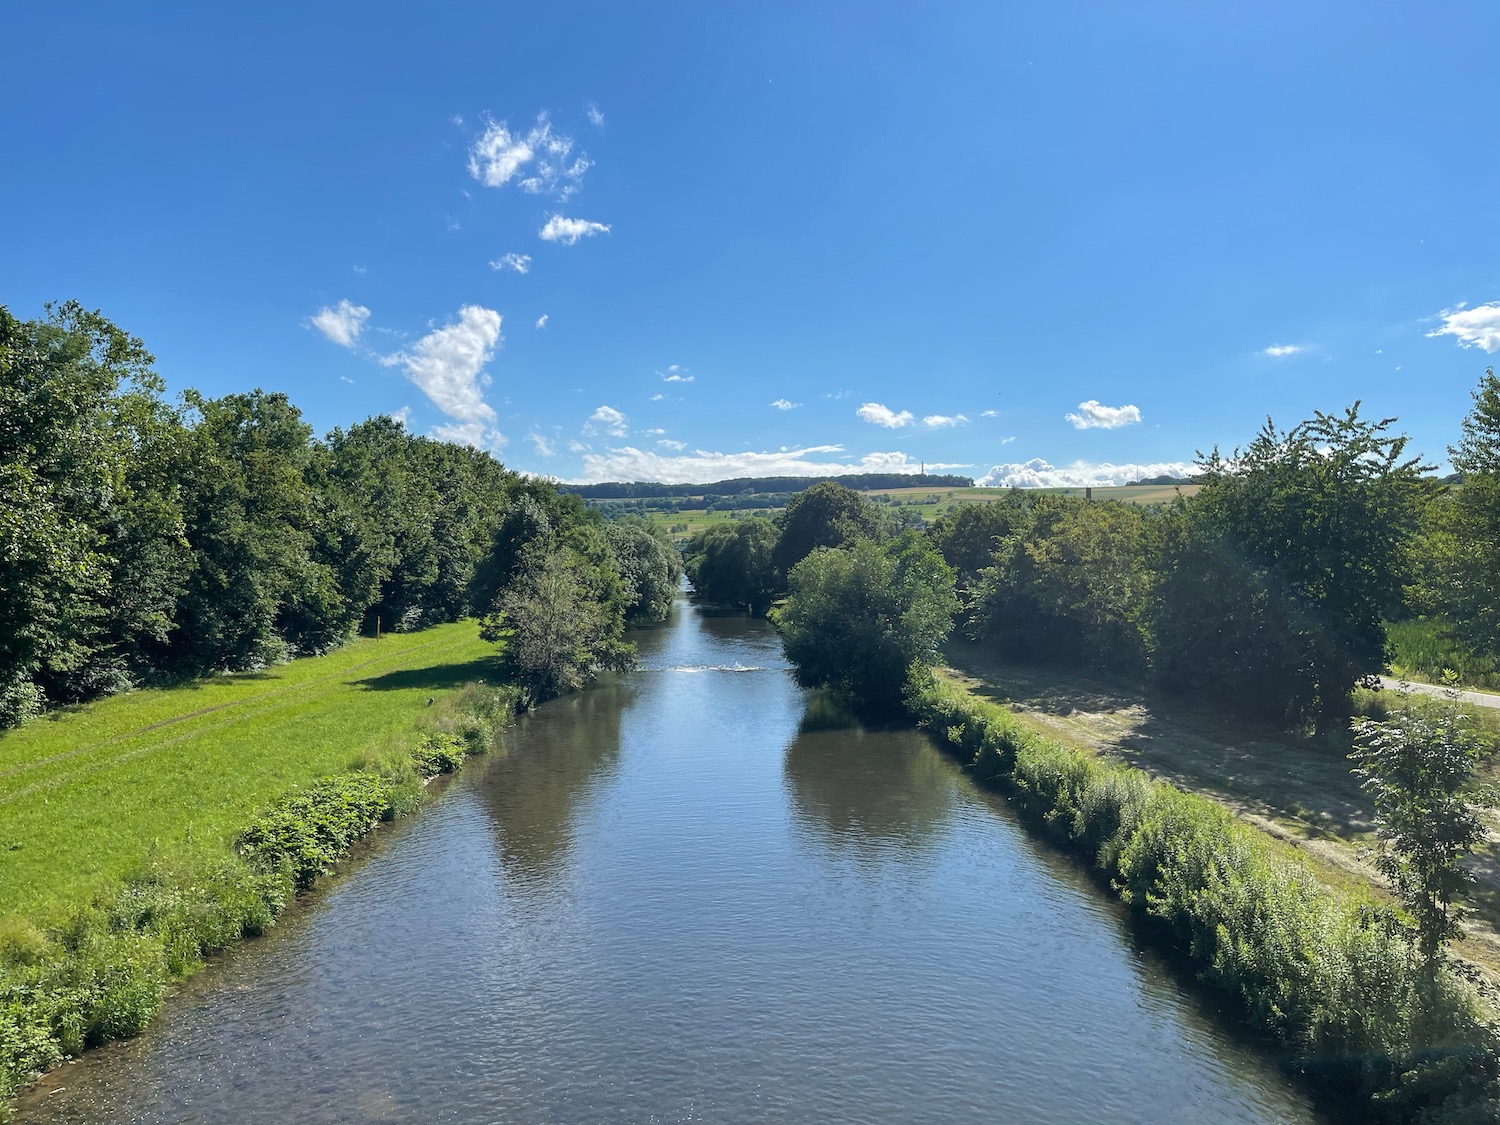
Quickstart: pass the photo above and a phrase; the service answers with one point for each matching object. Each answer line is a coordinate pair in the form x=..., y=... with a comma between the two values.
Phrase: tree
x=1068, y=586
x=650, y=566
x=968, y=536
x=1462, y=580
x=860, y=616
x=730, y=563
x=1415, y=767
x=555, y=631
x=1313, y=526
x=826, y=515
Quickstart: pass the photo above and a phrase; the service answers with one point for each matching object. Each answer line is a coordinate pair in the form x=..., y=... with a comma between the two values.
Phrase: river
x=693, y=893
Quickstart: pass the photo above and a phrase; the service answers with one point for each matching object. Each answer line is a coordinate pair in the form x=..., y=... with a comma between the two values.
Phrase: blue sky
x=1036, y=241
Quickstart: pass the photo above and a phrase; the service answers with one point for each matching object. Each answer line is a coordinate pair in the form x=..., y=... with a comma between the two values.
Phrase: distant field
x=930, y=502
x=85, y=795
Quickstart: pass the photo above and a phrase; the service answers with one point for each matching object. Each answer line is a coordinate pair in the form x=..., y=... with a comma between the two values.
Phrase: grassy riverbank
x=1324, y=970
x=152, y=829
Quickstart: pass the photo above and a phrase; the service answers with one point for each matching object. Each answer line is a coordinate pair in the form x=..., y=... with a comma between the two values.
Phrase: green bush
x=1334, y=976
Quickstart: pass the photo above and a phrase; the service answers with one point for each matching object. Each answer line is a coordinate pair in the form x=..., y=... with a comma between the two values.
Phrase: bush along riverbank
x=105, y=973
x=1334, y=976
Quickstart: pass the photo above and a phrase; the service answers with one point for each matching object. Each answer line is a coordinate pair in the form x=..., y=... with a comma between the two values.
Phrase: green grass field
x=87, y=794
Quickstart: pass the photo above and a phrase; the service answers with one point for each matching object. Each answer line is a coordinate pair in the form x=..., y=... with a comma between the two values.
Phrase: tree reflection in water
x=876, y=793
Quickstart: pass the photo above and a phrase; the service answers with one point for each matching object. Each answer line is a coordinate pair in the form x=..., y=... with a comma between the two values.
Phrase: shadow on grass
x=440, y=676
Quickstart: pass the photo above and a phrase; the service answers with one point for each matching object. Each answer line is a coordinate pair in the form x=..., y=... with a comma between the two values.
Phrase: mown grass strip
x=1332, y=975
x=183, y=770
x=103, y=973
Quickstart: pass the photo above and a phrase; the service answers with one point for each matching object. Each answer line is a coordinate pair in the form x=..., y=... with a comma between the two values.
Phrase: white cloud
x=654, y=431
x=1478, y=327
x=361, y=270
x=1279, y=351
x=1007, y=440
x=675, y=374
x=1038, y=473
x=657, y=397
x=939, y=421
x=542, y=157
x=569, y=231
x=701, y=465
x=544, y=448
x=1094, y=416
x=541, y=321
x=989, y=413
x=785, y=404
x=669, y=443
x=595, y=117
x=345, y=379
x=448, y=364
x=343, y=323
x=879, y=415
x=612, y=420
x=403, y=415
x=518, y=263
x=576, y=446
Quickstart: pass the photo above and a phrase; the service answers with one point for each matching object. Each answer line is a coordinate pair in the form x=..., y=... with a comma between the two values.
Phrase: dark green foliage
x=860, y=616
x=1334, y=976
x=826, y=515
x=968, y=536
x=649, y=565
x=1067, y=585
x=730, y=563
x=1284, y=565
x=307, y=832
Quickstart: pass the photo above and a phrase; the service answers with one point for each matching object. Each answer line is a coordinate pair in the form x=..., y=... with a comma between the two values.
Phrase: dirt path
x=1300, y=792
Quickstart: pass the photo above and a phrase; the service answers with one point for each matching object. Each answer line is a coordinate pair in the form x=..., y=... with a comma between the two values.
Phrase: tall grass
x=1424, y=648
x=1332, y=975
x=103, y=972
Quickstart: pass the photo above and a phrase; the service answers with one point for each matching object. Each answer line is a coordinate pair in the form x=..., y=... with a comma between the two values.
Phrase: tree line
x=143, y=540
x=1268, y=591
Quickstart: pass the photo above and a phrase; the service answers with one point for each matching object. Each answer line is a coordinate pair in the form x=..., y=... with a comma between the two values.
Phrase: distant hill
x=863, y=482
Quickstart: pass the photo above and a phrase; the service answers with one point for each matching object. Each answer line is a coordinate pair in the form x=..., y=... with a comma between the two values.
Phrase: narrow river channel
x=691, y=894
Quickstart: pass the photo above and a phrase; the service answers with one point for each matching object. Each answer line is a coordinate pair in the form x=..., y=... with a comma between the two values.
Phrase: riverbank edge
x=105, y=973
x=1329, y=974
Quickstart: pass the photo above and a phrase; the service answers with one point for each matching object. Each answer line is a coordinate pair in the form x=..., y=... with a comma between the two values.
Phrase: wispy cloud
x=940, y=421
x=596, y=118
x=1007, y=440
x=1478, y=327
x=569, y=231
x=540, y=161
x=1092, y=415
x=673, y=444
x=878, y=414
x=448, y=364
x=541, y=321
x=543, y=447
x=342, y=324
x=1280, y=351
x=614, y=422
x=516, y=263
x=403, y=415
x=630, y=463
x=989, y=413
x=658, y=397
x=1038, y=473
x=785, y=404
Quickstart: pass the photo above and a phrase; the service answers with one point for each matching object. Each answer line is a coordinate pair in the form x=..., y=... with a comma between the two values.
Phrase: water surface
x=692, y=894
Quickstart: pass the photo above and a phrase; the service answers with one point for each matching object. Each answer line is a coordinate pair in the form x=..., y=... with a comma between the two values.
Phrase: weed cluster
x=104, y=974
x=1334, y=976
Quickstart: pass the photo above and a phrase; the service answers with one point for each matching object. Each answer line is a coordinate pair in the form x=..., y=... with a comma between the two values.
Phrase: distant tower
x=924, y=467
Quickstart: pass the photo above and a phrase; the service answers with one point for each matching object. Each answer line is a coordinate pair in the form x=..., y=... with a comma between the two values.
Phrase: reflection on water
x=694, y=894
x=866, y=793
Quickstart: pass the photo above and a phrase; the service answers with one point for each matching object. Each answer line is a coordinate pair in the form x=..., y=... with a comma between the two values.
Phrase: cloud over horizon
x=702, y=466
x=1094, y=415
x=1038, y=473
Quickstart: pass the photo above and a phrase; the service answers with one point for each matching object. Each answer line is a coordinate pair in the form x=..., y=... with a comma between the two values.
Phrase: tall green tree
x=1310, y=529
x=826, y=515
x=860, y=616
x=649, y=565
x=730, y=563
